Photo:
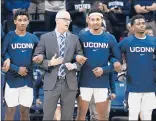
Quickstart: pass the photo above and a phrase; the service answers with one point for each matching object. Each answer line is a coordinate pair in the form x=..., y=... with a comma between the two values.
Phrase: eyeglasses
x=66, y=19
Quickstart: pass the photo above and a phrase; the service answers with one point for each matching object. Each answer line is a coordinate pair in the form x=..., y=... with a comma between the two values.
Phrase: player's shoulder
x=32, y=36
x=110, y=36
x=10, y=33
x=84, y=32
x=128, y=39
x=151, y=39
x=9, y=36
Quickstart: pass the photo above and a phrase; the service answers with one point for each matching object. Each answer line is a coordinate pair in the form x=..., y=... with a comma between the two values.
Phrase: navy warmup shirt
x=20, y=50
x=97, y=48
x=139, y=59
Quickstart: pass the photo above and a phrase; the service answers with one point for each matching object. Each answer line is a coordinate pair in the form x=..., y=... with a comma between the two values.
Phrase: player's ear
x=28, y=22
x=15, y=21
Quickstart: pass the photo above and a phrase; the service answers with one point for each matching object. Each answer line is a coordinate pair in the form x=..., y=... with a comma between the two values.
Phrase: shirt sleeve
x=5, y=45
x=115, y=51
x=108, y=68
x=112, y=82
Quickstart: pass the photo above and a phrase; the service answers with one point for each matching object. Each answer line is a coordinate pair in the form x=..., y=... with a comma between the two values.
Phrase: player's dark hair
x=138, y=16
x=20, y=12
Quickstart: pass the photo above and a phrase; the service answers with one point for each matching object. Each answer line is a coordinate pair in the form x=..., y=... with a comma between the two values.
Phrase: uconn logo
x=95, y=45
x=79, y=6
x=22, y=45
x=116, y=3
x=142, y=49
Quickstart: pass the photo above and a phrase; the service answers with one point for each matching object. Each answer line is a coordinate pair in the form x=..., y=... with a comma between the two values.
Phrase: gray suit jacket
x=48, y=47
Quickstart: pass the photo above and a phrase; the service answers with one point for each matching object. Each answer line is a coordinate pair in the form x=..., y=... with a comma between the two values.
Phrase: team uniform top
x=97, y=49
x=139, y=59
x=20, y=50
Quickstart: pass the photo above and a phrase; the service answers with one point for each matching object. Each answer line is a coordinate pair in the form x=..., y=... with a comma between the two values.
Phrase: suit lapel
x=67, y=42
x=56, y=46
x=55, y=43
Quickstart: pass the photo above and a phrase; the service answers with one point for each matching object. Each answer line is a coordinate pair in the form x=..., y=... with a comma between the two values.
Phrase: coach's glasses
x=66, y=19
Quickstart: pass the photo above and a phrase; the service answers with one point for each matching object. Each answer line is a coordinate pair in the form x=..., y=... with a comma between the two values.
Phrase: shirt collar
x=58, y=33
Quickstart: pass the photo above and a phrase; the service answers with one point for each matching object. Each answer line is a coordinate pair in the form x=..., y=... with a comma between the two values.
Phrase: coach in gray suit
x=57, y=50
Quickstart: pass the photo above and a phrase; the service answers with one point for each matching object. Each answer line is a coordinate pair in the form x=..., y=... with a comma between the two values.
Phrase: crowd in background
x=117, y=13
x=117, y=18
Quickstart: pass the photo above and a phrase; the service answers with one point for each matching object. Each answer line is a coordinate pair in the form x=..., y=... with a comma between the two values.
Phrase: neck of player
x=96, y=32
x=140, y=35
x=19, y=32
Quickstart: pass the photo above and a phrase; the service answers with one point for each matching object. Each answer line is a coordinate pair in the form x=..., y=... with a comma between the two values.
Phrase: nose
x=95, y=22
x=23, y=23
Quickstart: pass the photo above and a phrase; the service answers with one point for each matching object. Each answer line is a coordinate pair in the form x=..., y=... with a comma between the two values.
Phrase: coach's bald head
x=63, y=20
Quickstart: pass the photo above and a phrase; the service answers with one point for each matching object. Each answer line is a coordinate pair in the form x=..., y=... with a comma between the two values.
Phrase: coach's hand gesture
x=98, y=71
x=55, y=61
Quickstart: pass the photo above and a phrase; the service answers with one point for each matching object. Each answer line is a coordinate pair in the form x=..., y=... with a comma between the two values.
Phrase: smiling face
x=63, y=20
x=95, y=22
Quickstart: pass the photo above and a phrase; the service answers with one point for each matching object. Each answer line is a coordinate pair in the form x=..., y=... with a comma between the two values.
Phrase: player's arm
x=39, y=56
x=5, y=55
x=99, y=71
x=122, y=47
x=114, y=65
x=115, y=56
x=78, y=51
x=114, y=48
x=12, y=67
x=7, y=63
x=112, y=82
x=81, y=59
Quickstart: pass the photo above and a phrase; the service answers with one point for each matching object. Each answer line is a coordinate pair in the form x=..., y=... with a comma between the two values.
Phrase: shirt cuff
x=75, y=66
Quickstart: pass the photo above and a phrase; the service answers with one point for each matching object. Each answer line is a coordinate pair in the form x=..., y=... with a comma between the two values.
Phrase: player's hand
x=38, y=59
x=22, y=71
x=81, y=59
x=117, y=67
x=55, y=61
x=113, y=96
x=6, y=65
x=98, y=71
x=70, y=66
